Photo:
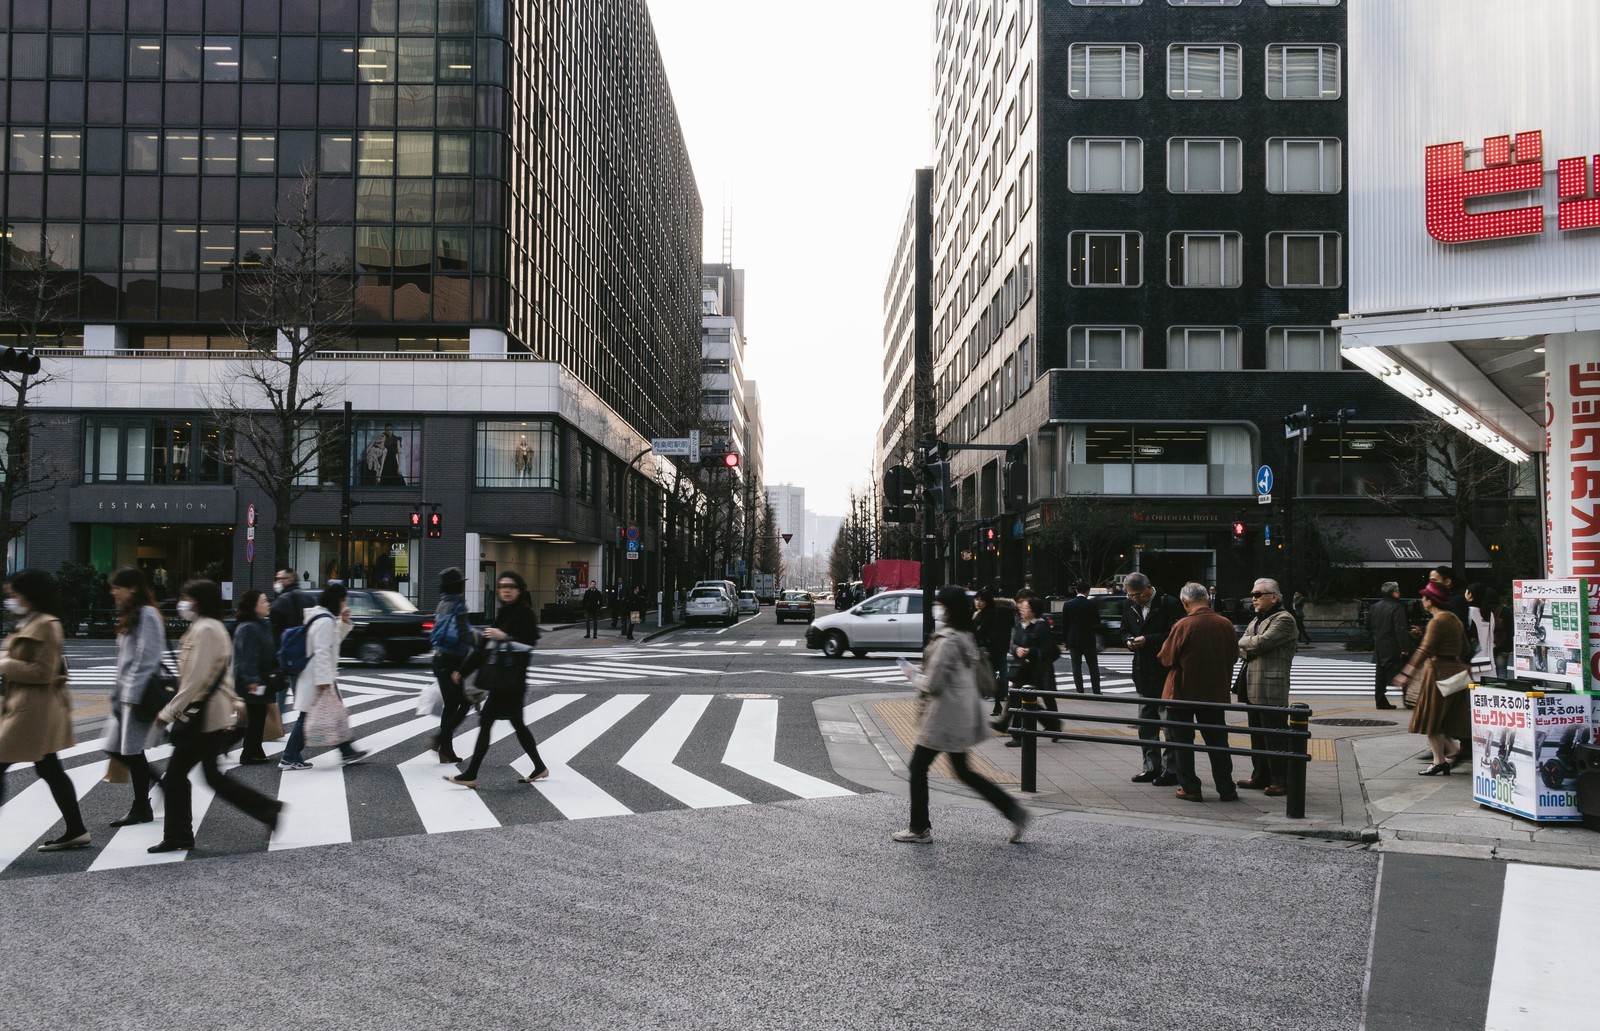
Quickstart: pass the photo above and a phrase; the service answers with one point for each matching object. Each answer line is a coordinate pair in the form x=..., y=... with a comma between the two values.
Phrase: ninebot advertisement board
x=1550, y=631
x=1524, y=751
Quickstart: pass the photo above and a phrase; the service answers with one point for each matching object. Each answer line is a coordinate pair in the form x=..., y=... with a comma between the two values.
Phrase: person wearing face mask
x=287, y=608
x=205, y=678
x=141, y=640
x=952, y=721
x=36, y=713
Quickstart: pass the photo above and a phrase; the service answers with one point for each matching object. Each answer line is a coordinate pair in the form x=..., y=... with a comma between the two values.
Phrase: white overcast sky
x=810, y=119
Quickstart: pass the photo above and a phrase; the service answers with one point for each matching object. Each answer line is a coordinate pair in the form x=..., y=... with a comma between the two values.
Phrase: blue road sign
x=633, y=545
x=1264, y=480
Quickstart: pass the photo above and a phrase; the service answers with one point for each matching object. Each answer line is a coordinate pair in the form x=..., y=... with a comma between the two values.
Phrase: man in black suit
x=1081, y=618
x=1146, y=622
x=1391, y=640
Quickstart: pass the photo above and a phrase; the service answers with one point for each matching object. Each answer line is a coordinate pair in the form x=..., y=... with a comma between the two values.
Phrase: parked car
x=384, y=626
x=710, y=605
x=889, y=621
x=795, y=605
x=728, y=587
x=748, y=604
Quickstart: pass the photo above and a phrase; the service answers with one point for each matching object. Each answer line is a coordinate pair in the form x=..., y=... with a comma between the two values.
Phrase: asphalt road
x=780, y=903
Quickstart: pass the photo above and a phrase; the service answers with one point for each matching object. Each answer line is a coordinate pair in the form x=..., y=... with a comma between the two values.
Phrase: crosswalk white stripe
x=755, y=644
x=130, y=846
x=880, y=667
x=416, y=678
x=575, y=795
x=27, y=817
x=689, y=644
x=444, y=807
x=316, y=810
x=754, y=747
x=1534, y=987
x=567, y=674
x=647, y=667
x=651, y=757
x=788, y=642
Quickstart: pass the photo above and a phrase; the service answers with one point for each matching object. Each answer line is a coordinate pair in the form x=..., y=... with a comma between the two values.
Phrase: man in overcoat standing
x=1146, y=621
x=1391, y=640
x=1081, y=618
x=1199, y=655
x=1268, y=648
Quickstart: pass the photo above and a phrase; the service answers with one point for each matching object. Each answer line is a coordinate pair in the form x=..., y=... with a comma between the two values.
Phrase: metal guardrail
x=1296, y=735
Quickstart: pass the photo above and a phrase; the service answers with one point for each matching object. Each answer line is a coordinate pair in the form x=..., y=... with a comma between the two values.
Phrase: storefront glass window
x=379, y=560
x=1155, y=460
x=519, y=454
x=386, y=452
x=133, y=450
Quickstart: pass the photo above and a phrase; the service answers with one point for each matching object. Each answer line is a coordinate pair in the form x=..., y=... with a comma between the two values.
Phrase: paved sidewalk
x=1361, y=785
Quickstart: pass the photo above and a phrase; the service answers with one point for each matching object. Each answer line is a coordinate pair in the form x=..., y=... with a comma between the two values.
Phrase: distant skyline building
x=908, y=410
x=789, y=502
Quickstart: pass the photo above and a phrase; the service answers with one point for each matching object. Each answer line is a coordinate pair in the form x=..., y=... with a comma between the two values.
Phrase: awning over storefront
x=1393, y=542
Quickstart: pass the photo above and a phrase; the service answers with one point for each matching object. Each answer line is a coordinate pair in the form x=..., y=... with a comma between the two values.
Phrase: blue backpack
x=445, y=638
x=292, y=656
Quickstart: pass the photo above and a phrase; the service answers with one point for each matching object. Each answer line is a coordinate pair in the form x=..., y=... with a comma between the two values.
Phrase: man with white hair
x=1268, y=648
x=1199, y=654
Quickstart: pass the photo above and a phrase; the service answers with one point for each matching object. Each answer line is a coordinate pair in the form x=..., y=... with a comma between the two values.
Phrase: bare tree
x=299, y=302
x=1087, y=535
x=38, y=296
x=1453, y=472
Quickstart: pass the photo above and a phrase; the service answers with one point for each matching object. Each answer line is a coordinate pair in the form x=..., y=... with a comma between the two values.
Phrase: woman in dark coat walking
x=507, y=644
x=141, y=640
x=255, y=660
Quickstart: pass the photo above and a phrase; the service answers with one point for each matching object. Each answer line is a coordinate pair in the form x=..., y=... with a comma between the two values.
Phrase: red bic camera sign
x=1510, y=165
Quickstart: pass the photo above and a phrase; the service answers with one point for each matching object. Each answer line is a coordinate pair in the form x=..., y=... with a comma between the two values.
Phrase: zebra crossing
x=690, y=751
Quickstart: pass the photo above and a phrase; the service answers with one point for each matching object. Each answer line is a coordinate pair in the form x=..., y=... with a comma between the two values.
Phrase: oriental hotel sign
x=1511, y=165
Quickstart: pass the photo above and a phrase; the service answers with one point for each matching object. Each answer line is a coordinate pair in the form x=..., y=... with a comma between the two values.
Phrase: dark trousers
x=203, y=752
x=486, y=730
x=1017, y=699
x=255, y=728
x=591, y=622
x=1262, y=769
x=1384, y=674
x=923, y=757
x=1214, y=732
x=138, y=776
x=52, y=773
x=1092, y=655
x=627, y=624
x=616, y=610
x=456, y=706
x=1156, y=759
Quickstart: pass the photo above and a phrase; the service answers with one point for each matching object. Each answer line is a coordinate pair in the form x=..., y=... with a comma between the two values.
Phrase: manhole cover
x=1353, y=723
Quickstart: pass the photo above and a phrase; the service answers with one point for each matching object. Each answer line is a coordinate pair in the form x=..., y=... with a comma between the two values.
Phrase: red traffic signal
x=1238, y=532
x=435, y=525
x=731, y=460
x=416, y=520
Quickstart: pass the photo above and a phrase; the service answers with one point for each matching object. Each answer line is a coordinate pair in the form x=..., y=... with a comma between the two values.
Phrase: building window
x=386, y=452
x=1203, y=165
x=1203, y=72
x=1106, y=71
x=1203, y=348
x=993, y=394
x=519, y=454
x=1204, y=260
x=1302, y=72
x=1025, y=97
x=1303, y=260
x=1024, y=365
x=1303, y=166
x=1302, y=349
x=1105, y=164
x=321, y=459
x=588, y=471
x=1155, y=459
x=1009, y=381
x=159, y=451
x=1025, y=186
x=1105, y=259
x=1104, y=347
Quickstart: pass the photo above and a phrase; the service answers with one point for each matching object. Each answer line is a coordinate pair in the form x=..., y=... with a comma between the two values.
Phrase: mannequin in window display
x=372, y=461
x=524, y=458
x=390, y=474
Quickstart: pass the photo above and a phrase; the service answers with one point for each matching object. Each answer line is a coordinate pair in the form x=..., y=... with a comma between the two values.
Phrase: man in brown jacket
x=1199, y=654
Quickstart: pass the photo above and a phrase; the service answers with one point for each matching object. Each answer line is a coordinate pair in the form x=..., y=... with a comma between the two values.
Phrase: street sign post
x=678, y=447
x=1264, y=485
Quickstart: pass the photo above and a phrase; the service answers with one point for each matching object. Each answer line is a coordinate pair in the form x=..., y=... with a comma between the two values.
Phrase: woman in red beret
x=1444, y=720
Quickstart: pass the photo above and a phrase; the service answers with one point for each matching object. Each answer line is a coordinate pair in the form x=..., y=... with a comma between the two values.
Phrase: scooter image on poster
x=1558, y=757
x=1496, y=756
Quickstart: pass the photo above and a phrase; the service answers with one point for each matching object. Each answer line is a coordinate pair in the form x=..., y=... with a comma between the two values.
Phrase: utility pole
x=345, y=506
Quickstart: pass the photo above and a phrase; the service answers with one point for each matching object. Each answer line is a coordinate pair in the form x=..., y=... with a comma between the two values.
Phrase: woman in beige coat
x=1441, y=719
x=953, y=720
x=36, y=719
x=205, y=678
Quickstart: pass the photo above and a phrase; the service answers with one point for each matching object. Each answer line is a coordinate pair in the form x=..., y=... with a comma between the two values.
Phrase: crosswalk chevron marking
x=444, y=807
x=753, y=749
x=32, y=812
x=575, y=795
x=651, y=757
x=666, y=670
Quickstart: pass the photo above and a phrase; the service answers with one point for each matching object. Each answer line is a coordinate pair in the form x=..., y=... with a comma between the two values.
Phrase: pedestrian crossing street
x=609, y=755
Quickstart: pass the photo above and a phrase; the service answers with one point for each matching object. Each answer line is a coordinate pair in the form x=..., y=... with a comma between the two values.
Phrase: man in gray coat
x=1268, y=648
x=1391, y=637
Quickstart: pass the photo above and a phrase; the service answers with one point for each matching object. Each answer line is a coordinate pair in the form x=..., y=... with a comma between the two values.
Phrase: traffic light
x=938, y=487
x=720, y=460
x=25, y=362
x=1298, y=423
x=1238, y=533
x=1016, y=478
x=731, y=460
x=435, y=525
x=991, y=540
x=416, y=522
x=899, y=493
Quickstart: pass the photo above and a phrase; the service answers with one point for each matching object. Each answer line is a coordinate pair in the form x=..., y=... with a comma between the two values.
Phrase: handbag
x=186, y=730
x=1455, y=684
x=161, y=688
x=272, y=725
x=1241, y=682
x=500, y=673
x=327, y=721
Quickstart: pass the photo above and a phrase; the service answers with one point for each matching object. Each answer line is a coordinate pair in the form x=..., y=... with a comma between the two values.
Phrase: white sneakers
x=921, y=837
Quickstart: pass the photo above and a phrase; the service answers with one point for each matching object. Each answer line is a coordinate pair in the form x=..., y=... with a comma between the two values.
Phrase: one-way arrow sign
x=1264, y=480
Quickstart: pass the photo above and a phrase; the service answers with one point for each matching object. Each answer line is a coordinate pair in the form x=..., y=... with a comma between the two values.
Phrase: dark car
x=384, y=626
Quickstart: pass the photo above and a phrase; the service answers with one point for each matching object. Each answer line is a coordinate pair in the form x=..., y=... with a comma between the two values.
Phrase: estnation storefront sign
x=89, y=503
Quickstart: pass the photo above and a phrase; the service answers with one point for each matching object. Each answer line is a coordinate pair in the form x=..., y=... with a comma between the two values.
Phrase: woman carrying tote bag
x=502, y=668
x=141, y=642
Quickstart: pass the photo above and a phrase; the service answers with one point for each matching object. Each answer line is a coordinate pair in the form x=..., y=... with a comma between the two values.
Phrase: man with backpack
x=451, y=639
x=287, y=607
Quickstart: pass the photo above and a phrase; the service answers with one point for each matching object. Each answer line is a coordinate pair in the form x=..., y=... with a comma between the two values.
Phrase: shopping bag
x=272, y=729
x=328, y=721
x=116, y=771
x=431, y=701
